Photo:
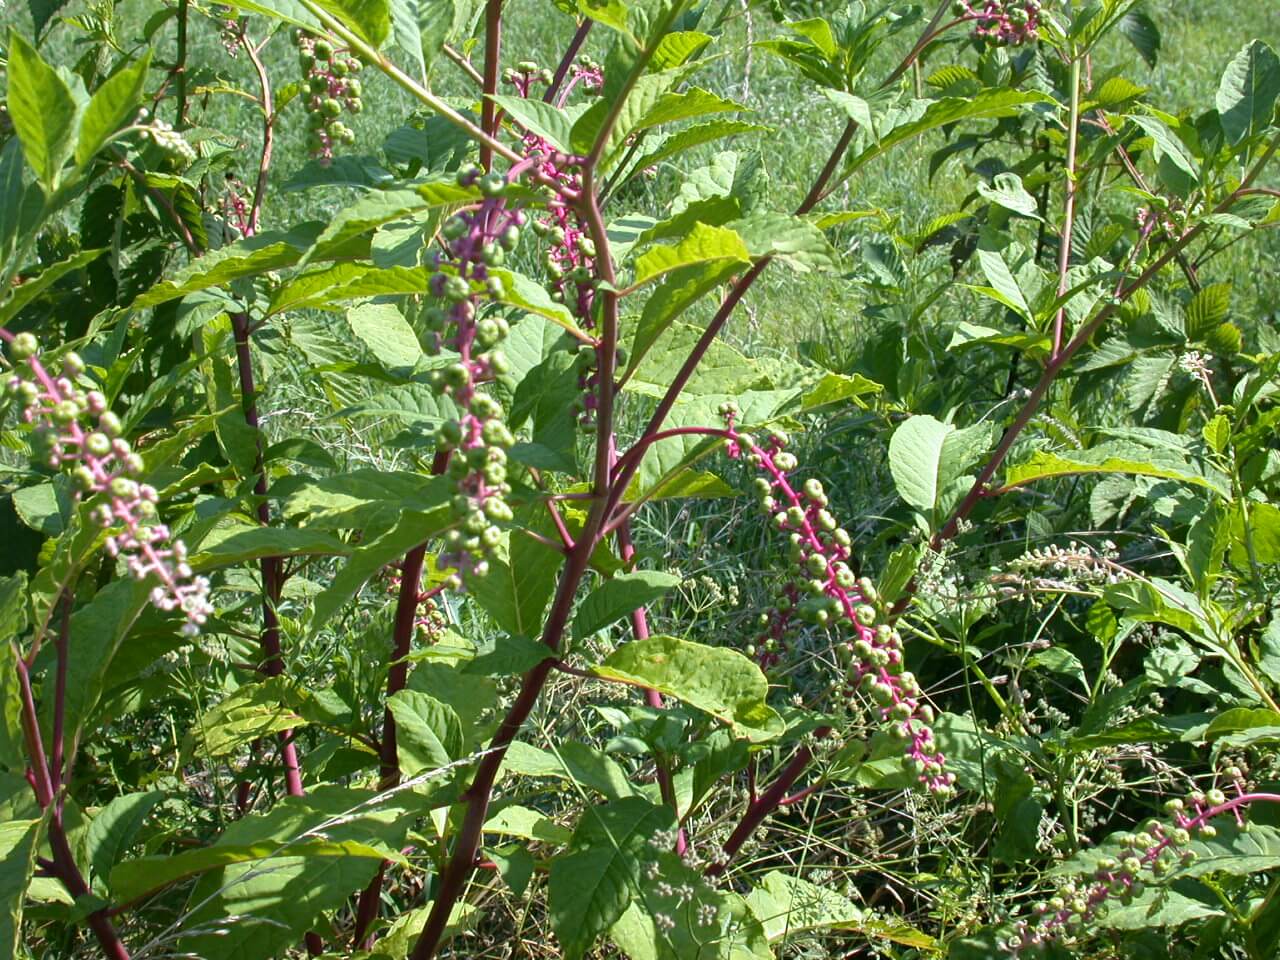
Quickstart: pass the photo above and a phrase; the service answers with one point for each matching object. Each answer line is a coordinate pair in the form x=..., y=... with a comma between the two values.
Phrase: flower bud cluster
x=826, y=593
x=176, y=152
x=1152, y=853
x=1011, y=22
x=331, y=89
x=101, y=461
x=475, y=240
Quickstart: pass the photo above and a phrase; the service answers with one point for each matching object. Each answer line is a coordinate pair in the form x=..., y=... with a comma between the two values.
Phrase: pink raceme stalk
x=1156, y=851
x=829, y=595
x=100, y=461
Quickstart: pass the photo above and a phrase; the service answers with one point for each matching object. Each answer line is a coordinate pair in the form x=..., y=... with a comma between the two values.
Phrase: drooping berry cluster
x=474, y=241
x=100, y=461
x=570, y=253
x=331, y=89
x=826, y=593
x=1153, y=852
x=1010, y=22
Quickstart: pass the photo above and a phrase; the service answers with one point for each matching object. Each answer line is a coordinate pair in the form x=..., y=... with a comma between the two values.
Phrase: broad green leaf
x=399, y=940
x=693, y=136
x=254, y=712
x=114, y=829
x=365, y=215
x=1241, y=719
x=330, y=822
x=678, y=290
x=371, y=19
x=518, y=821
x=1043, y=465
x=619, y=596
x=408, y=34
x=517, y=590
x=789, y=906
x=795, y=241
x=113, y=104
x=43, y=110
x=414, y=527
x=383, y=329
x=244, y=258
x=548, y=121
x=240, y=543
x=1141, y=31
x=938, y=113
x=572, y=761
x=1002, y=282
x=1248, y=92
x=1209, y=307
x=591, y=885
x=717, y=680
x=19, y=841
x=428, y=732
x=704, y=244
x=22, y=295
x=1007, y=191
x=1168, y=145
x=926, y=456
x=357, y=500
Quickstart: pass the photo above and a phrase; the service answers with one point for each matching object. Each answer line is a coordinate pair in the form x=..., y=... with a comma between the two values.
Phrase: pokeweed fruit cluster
x=1152, y=853
x=825, y=592
x=1011, y=22
x=331, y=90
x=475, y=241
x=101, y=462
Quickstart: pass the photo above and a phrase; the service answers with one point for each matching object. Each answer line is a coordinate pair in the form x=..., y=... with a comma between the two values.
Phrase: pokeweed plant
x=555, y=370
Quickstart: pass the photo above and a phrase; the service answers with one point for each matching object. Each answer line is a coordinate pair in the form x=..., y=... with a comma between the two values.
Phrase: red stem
x=407, y=603
x=579, y=37
x=492, y=56
x=759, y=809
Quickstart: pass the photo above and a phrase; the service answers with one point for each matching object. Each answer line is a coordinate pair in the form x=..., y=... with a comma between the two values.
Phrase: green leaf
x=111, y=107
x=516, y=591
x=1168, y=145
x=240, y=543
x=1060, y=660
x=618, y=597
x=788, y=905
x=254, y=712
x=408, y=34
x=413, y=528
x=679, y=290
x=1208, y=308
x=43, y=110
x=592, y=885
x=244, y=258
x=428, y=732
x=572, y=761
x=371, y=19
x=19, y=841
x=1004, y=287
x=24, y=294
x=926, y=456
x=113, y=830
x=704, y=244
x=693, y=136
x=795, y=241
x=938, y=113
x=717, y=680
x=275, y=872
x=1107, y=458
x=548, y=121
x=1217, y=433
x=1141, y=31
x=517, y=821
x=1248, y=91
x=1007, y=191
x=383, y=329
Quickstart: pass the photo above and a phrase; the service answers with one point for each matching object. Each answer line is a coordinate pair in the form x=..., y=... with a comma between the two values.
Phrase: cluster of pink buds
x=1154, y=852
x=1011, y=22
x=828, y=594
x=475, y=240
x=100, y=461
x=330, y=90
